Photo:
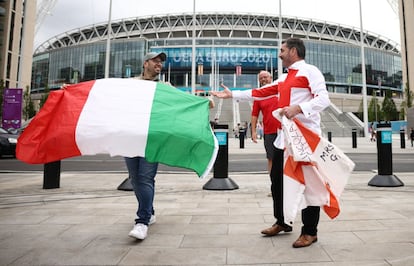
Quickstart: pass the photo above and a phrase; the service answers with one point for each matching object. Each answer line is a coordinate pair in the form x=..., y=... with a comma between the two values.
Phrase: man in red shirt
x=270, y=124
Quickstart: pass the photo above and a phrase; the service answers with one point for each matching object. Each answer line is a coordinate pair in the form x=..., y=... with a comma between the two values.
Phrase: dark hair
x=298, y=45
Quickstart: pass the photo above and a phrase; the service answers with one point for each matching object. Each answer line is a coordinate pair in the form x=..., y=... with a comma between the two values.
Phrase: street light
x=363, y=70
x=375, y=105
x=193, y=53
x=279, y=62
x=108, y=42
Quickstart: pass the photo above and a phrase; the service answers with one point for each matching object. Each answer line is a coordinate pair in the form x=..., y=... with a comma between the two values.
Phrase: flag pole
x=364, y=83
x=193, y=56
x=279, y=62
x=108, y=42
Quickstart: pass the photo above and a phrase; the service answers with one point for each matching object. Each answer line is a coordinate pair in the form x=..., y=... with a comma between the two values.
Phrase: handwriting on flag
x=299, y=145
x=329, y=152
x=302, y=150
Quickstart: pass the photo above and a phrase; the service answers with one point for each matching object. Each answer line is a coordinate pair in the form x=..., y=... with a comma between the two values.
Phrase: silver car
x=8, y=142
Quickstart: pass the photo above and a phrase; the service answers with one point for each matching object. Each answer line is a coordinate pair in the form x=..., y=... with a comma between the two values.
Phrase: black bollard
x=242, y=135
x=220, y=180
x=51, y=175
x=402, y=139
x=329, y=136
x=354, y=138
x=126, y=185
x=385, y=177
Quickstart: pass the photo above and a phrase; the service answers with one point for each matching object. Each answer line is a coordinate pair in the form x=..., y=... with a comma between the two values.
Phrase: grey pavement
x=86, y=221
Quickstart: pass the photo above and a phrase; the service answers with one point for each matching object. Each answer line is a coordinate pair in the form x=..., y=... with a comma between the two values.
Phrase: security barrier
x=220, y=180
x=51, y=175
x=385, y=177
x=354, y=138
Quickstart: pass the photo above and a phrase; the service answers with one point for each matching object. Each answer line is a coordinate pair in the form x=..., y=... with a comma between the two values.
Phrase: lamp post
x=279, y=62
x=108, y=42
x=375, y=105
x=364, y=83
x=193, y=49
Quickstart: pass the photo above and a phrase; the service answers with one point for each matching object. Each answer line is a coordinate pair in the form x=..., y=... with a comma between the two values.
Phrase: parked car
x=8, y=142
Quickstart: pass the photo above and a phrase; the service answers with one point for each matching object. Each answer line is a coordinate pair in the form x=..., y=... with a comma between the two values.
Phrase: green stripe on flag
x=179, y=131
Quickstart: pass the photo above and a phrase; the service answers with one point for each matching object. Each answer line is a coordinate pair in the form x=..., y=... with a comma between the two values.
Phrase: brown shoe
x=276, y=229
x=305, y=241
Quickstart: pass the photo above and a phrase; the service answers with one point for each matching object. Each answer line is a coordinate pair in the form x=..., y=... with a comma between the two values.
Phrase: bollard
x=385, y=177
x=354, y=138
x=220, y=180
x=221, y=165
x=51, y=175
x=126, y=185
x=329, y=136
x=402, y=139
x=242, y=135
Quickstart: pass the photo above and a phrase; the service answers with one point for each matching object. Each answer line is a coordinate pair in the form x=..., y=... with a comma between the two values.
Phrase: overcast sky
x=378, y=16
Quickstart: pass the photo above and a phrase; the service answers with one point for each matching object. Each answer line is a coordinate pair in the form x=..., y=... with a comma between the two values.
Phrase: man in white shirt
x=302, y=94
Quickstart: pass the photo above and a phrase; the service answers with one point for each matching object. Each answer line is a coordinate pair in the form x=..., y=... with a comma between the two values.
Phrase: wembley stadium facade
x=230, y=48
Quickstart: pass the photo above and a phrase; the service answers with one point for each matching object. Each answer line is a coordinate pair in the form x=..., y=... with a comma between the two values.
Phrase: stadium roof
x=218, y=25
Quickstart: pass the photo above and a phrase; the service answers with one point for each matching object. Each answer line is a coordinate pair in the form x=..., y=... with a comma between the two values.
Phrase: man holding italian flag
x=146, y=121
x=141, y=172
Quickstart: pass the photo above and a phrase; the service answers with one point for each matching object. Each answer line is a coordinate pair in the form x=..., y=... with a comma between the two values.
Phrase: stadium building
x=230, y=48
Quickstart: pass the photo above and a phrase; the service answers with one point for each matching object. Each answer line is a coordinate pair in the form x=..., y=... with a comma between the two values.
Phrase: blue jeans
x=142, y=174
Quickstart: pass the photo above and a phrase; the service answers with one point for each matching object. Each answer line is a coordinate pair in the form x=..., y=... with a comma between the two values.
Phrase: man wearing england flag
x=302, y=94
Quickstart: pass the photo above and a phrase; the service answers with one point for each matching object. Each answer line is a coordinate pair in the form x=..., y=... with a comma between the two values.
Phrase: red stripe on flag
x=311, y=137
x=293, y=169
x=50, y=136
x=332, y=210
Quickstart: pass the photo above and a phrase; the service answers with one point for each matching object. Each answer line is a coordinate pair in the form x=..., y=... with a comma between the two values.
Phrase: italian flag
x=126, y=117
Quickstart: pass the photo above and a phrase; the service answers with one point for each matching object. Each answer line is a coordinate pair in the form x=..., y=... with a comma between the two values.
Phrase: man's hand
x=254, y=136
x=225, y=94
x=291, y=111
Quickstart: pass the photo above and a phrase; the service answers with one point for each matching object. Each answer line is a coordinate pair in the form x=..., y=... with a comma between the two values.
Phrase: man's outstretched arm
x=225, y=94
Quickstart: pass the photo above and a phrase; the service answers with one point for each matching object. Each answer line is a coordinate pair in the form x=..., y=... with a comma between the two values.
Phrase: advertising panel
x=12, y=108
x=240, y=57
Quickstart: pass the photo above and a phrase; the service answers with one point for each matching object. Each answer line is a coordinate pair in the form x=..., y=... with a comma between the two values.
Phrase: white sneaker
x=152, y=220
x=139, y=231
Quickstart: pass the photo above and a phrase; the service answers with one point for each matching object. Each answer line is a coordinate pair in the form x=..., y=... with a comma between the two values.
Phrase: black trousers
x=310, y=215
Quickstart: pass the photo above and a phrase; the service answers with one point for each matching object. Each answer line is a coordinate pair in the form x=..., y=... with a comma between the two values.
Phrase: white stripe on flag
x=119, y=129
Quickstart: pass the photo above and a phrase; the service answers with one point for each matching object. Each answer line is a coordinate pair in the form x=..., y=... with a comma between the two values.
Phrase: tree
x=402, y=112
x=374, y=109
x=28, y=109
x=409, y=95
x=44, y=96
x=407, y=102
x=389, y=109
